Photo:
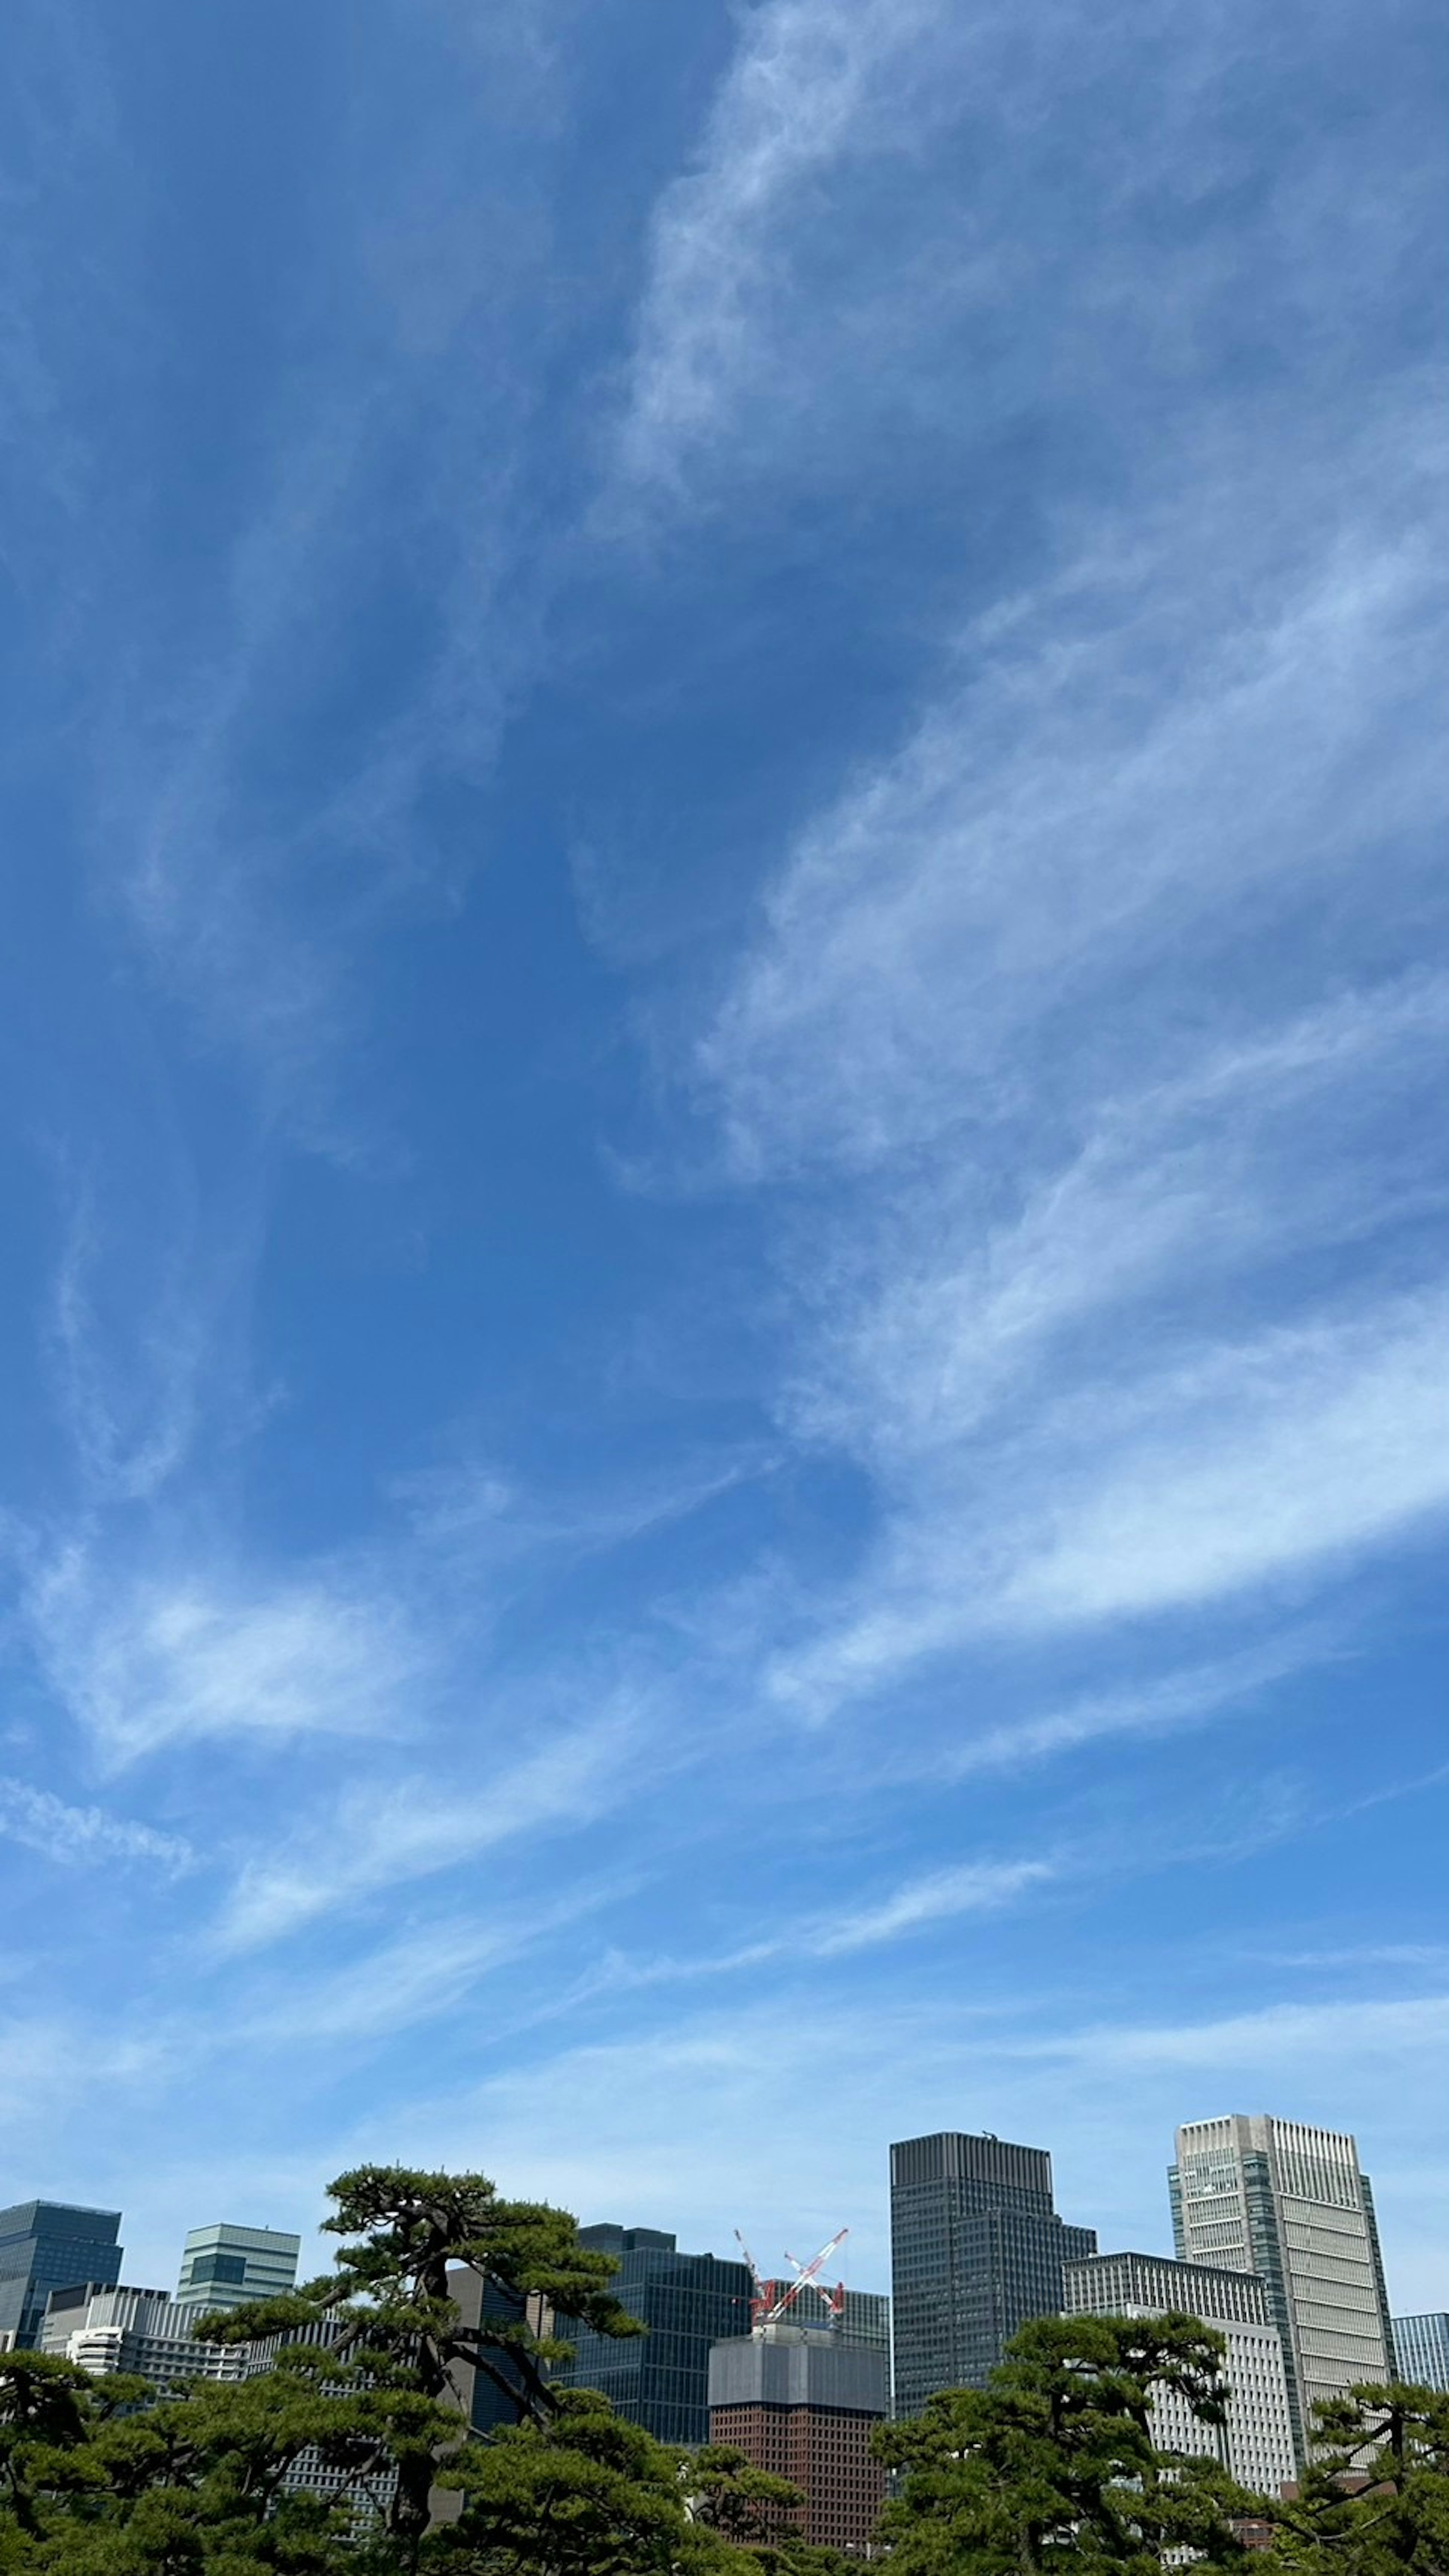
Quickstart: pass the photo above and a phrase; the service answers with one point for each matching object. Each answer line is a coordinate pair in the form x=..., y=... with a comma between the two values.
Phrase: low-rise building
x=104, y=2330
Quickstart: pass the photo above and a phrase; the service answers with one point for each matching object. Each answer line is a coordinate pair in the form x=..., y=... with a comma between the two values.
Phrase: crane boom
x=773, y=2300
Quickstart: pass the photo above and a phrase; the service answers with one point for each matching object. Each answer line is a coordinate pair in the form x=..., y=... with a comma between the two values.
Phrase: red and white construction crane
x=773, y=2300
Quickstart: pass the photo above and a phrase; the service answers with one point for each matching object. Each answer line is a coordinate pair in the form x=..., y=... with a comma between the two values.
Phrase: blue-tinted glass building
x=1421, y=2351
x=48, y=2245
x=687, y=2302
x=976, y=2249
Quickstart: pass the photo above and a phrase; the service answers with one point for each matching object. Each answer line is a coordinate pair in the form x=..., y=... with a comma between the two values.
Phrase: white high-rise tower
x=1290, y=2203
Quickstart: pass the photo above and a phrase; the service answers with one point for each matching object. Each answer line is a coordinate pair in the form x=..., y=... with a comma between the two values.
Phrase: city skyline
x=275, y=2249
x=724, y=997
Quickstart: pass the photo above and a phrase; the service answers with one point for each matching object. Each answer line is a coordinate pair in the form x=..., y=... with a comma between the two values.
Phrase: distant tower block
x=229, y=2267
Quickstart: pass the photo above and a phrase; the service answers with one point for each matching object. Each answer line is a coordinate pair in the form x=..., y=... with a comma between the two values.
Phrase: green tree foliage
x=580, y=2494
x=389, y=2312
x=109, y=2478
x=1054, y=2466
x=585, y=2494
x=1375, y=2501
x=103, y=2479
x=744, y=2504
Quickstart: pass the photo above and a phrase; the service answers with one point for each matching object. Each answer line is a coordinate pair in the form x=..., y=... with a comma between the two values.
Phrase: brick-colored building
x=803, y=2402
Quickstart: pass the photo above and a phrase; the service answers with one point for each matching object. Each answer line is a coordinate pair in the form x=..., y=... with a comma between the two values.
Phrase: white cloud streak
x=1228, y=1476
x=389, y=1832
x=1116, y=1267
x=196, y=1652
x=977, y=1887
x=811, y=80
x=1300, y=1450
x=1263, y=2042
x=426, y=1975
x=1062, y=834
x=87, y=1837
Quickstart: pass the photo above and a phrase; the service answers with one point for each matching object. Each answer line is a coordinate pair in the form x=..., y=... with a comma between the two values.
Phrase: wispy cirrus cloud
x=1186, y=1697
x=811, y=81
x=86, y=1837
x=1264, y=2041
x=976, y=1887
x=424, y=1975
x=145, y=1660
x=261, y=795
x=871, y=249
x=933, y=1898
x=1114, y=1253
x=386, y=1833
x=1123, y=803
x=1220, y=1479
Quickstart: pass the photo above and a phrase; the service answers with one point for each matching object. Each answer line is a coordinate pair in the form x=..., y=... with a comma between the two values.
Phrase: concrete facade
x=1256, y=2445
x=106, y=2330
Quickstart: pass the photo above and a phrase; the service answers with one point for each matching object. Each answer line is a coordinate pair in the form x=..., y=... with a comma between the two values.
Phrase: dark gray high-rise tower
x=976, y=2249
x=49, y=2245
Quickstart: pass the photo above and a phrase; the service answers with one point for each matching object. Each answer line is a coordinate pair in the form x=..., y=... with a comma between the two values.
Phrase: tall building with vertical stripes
x=976, y=2249
x=1421, y=2350
x=1290, y=2202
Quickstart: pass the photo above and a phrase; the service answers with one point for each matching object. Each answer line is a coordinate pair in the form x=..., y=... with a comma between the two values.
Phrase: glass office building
x=229, y=2267
x=976, y=2249
x=1421, y=2351
x=687, y=2302
x=1289, y=2202
x=50, y=2245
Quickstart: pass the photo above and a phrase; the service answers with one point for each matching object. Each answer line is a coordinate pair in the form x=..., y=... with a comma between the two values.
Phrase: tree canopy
x=1375, y=2501
x=1054, y=2464
x=1053, y=2467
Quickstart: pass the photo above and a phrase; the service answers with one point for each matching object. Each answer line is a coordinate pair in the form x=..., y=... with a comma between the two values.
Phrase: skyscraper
x=688, y=2302
x=976, y=2249
x=50, y=2245
x=1421, y=2350
x=1289, y=2202
x=229, y=2267
x=803, y=2402
x=1256, y=2444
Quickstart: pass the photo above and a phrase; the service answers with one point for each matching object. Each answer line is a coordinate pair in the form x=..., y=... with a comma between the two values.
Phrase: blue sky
x=726, y=1393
